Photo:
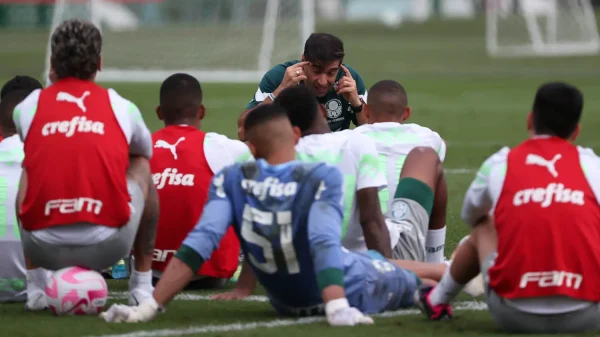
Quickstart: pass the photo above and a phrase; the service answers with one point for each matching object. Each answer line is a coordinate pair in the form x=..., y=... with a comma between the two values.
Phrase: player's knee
x=424, y=154
x=484, y=228
x=423, y=163
x=139, y=171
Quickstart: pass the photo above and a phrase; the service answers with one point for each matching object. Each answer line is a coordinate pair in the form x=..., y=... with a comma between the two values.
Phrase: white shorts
x=96, y=256
x=407, y=222
x=511, y=319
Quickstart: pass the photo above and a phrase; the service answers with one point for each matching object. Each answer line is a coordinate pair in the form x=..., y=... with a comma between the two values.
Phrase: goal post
x=521, y=28
x=228, y=41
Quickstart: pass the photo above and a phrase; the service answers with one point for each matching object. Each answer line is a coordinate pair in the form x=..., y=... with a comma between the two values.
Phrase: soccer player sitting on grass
x=363, y=226
x=12, y=264
x=536, y=227
x=339, y=88
x=288, y=217
x=415, y=199
x=184, y=161
x=86, y=192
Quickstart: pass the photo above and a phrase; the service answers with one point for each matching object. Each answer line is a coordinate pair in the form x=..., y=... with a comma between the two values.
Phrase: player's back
x=89, y=128
x=394, y=141
x=356, y=157
x=182, y=177
x=12, y=263
x=183, y=165
x=272, y=206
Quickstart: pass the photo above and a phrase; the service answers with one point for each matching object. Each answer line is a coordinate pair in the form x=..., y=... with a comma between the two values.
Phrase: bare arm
x=175, y=278
x=361, y=118
x=245, y=286
x=377, y=236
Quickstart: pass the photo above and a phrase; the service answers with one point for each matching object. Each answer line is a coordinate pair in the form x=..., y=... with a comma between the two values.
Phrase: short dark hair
x=557, y=109
x=262, y=114
x=301, y=105
x=180, y=96
x=18, y=83
x=75, y=49
x=322, y=48
x=388, y=87
x=7, y=107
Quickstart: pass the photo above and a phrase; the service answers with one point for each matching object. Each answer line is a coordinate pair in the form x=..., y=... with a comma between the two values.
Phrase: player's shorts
x=383, y=287
x=96, y=256
x=408, y=219
x=512, y=320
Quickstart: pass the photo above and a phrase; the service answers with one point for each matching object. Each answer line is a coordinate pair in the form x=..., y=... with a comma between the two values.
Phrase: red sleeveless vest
x=548, y=224
x=76, y=158
x=182, y=177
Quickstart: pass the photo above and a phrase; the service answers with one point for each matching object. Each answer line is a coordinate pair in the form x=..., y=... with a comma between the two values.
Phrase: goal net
x=517, y=28
x=214, y=40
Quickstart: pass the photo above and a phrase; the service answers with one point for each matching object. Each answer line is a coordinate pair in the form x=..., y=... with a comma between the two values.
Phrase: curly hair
x=76, y=47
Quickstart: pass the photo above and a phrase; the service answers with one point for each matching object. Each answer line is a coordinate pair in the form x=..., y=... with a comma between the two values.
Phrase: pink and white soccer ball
x=76, y=291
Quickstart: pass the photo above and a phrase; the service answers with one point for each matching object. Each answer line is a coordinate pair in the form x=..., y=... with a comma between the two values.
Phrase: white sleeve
x=365, y=96
x=130, y=119
x=221, y=151
x=440, y=147
x=590, y=163
x=24, y=112
x=371, y=172
x=483, y=192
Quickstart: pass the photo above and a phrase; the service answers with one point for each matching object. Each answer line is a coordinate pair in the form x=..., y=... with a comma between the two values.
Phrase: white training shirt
x=481, y=199
x=393, y=142
x=356, y=157
x=12, y=262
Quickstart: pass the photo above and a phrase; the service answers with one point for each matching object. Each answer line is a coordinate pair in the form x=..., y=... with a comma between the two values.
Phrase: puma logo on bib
x=161, y=144
x=66, y=97
x=534, y=159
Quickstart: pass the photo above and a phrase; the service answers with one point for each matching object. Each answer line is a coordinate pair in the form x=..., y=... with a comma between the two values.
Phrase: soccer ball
x=76, y=291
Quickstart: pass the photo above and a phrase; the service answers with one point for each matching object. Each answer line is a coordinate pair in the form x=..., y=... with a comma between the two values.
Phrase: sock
x=434, y=244
x=141, y=280
x=446, y=290
x=36, y=279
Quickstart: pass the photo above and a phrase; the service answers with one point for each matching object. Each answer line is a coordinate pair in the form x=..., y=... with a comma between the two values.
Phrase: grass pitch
x=476, y=103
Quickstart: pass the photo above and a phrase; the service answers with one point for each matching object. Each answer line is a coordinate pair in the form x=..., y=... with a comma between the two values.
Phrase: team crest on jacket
x=334, y=108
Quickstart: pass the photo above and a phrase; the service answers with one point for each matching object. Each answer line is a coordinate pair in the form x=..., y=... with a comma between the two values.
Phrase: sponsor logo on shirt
x=79, y=101
x=75, y=205
x=162, y=255
x=546, y=196
x=170, y=176
x=161, y=144
x=534, y=159
x=78, y=124
x=269, y=187
x=554, y=278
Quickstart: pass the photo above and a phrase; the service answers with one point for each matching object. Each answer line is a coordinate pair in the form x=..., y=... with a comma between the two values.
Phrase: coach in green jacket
x=338, y=87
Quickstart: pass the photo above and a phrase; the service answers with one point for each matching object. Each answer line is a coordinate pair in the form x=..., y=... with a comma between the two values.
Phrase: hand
x=346, y=87
x=293, y=75
x=119, y=313
x=323, y=110
x=348, y=317
x=235, y=294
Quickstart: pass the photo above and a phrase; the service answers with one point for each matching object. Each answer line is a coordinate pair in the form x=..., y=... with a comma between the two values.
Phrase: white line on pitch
x=469, y=305
x=122, y=295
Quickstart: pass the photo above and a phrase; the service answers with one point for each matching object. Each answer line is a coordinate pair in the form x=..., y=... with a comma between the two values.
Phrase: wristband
x=335, y=305
x=272, y=97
